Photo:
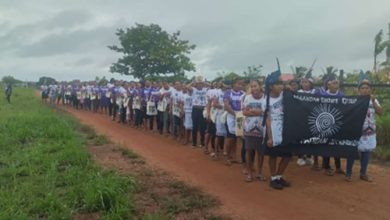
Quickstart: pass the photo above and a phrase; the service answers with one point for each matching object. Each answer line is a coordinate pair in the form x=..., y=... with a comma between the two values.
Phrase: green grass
x=45, y=171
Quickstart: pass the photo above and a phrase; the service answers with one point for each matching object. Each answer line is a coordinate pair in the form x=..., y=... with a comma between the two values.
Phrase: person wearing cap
x=273, y=120
x=367, y=142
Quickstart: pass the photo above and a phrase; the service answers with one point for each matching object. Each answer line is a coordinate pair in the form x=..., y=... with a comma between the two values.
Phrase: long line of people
x=206, y=115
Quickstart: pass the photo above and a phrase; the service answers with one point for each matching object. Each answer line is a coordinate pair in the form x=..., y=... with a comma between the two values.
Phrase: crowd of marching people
x=204, y=114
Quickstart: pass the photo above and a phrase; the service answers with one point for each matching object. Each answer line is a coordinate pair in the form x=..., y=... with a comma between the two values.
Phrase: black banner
x=323, y=125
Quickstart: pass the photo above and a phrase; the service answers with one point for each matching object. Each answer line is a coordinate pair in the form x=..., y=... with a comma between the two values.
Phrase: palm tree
x=329, y=71
x=378, y=47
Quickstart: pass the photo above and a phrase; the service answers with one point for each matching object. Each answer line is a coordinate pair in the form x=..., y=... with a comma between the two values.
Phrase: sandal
x=261, y=177
x=316, y=167
x=228, y=162
x=248, y=179
x=329, y=172
x=340, y=171
x=365, y=178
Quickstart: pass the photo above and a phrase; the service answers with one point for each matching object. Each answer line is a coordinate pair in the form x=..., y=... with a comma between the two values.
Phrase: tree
x=44, y=80
x=330, y=71
x=299, y=72
x=150, y=51
x=252, y=72
x=378, y=47
x=10, y=80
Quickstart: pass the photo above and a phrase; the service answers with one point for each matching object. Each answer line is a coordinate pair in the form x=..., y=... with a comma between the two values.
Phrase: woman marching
x=232, y=104
x=253, y=130
x=273, y=119
x=367, y=142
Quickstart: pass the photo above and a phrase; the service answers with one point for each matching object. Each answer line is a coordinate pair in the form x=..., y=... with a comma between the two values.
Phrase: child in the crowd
x=212, y=94
x=163, y=107
x=220, y=126
x=253, y=130
x=367, y=142
x=186, y=104
x=137, y=97
x=273, y=113
x=232, y=104
x=145, y=97
x=176, y=110
x=293, y=85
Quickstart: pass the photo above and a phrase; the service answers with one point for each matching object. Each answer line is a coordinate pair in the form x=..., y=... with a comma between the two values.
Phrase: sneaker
x=348, y=178
x=284, y=183
x=275, y=184
x=301, y=162
x=365, y=178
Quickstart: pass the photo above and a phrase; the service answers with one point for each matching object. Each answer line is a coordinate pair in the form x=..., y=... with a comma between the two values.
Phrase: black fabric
x=199, y=124
x=323, y=125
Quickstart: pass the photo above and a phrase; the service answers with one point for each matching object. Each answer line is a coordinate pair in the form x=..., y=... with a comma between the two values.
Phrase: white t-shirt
x=169, y=92
x=307, y=91
x=253, y=124
x=199, y=97
x=276, y=117
x=175, y=100
x=367, y=141
x=186, y=98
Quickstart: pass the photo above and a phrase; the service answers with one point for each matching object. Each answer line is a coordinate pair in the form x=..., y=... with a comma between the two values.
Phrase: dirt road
x=312, y=196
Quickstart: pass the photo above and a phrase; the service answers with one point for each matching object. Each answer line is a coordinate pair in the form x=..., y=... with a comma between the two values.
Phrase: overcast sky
x=67, y=39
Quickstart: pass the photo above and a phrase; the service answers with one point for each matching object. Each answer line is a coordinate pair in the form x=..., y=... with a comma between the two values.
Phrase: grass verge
x=45, y=171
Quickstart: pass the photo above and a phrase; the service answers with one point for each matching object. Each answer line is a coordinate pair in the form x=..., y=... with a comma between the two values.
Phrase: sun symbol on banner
x=325, y=121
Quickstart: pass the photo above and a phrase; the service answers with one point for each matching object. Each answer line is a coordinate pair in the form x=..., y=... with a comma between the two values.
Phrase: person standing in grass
x=367, y=142
x=253, y=130
x=273, y=119
x=8, y=92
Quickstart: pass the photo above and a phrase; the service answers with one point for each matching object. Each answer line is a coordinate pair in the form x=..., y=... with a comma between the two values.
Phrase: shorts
x=255, y=143
x=211, y=128
x=176, y=120
x=277, y=152
x=228, y=134
x=144, y=115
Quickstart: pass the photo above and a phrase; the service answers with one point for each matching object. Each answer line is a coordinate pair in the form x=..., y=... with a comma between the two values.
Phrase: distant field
x=46, y=173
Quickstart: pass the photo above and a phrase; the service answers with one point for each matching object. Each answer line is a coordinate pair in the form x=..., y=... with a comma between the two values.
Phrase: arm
x=228, y=108
x=252, y=112
x=269, y=131
x=377, y=107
